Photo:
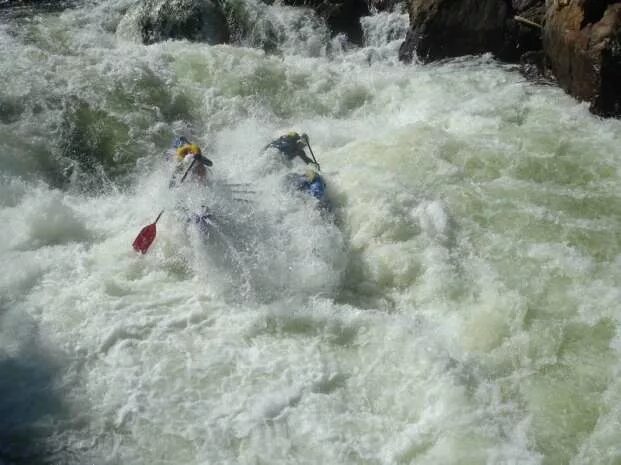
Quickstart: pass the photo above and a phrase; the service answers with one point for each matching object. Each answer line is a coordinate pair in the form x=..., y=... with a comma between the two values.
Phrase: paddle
x=311, y=151
x=204, y=160
x=146, y=236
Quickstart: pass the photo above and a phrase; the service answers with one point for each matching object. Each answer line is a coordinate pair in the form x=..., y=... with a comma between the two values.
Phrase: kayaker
x=291, y=145
x=185, y=153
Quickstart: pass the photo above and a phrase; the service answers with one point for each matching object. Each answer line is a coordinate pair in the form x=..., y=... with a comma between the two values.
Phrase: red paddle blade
x=145, y=238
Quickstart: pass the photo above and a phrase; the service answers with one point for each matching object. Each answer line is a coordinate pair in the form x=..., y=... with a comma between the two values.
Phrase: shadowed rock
x=445, y=28
x=523, y=37
x=195, y=20
x=533, y=67
x=341, y=16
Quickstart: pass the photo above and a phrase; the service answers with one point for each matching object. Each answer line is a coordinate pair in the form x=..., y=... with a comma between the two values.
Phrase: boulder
x=582, y=43
x=447, y=28
x=195, y=20
x=342, y=16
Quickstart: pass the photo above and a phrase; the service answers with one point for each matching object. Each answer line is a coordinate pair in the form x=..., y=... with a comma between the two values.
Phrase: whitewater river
x=462, y=305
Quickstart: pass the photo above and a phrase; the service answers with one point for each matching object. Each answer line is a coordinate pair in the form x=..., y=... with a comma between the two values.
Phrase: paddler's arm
x=304, y=157
x=204, y=160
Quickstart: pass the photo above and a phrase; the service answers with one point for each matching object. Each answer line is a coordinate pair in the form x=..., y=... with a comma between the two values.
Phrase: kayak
x=201, y=219
x=315, y=187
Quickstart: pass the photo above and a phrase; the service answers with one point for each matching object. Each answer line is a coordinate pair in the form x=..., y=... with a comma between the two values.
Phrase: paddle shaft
x=188, y=170
x=312, y=154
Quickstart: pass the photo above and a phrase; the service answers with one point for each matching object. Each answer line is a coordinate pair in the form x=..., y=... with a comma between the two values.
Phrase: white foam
x=425, y=325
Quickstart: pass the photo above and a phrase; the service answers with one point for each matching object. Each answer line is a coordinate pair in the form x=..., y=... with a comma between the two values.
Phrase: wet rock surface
x=582, y=44
x=443, y=28
x=196, y=20
x=341, y=16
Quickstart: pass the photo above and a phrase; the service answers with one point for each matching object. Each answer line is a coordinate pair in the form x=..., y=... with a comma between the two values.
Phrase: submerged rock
x=196, y=20
x=95, y=144
x=341, y=16
x=582, y=43
x=533, y=67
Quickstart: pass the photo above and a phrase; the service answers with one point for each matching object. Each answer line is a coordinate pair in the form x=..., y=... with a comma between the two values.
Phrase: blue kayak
x=202, y=219
x=313, y=186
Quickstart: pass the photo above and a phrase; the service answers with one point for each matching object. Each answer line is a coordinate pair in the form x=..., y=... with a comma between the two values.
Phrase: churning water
x=461, y=305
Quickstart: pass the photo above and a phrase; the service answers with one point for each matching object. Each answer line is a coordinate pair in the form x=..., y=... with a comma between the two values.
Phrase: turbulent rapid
x=459, y=306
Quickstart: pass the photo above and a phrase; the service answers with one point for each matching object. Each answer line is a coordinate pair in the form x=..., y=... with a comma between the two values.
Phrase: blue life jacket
x=316, y=188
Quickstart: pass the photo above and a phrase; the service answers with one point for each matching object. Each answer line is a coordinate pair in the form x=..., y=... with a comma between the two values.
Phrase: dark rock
x=533, y=66
x=446, y=28
x=376, y=6
x=582, y=42
x=342, y=16
x=195, y=20
x=522, y=5
x=521, y=36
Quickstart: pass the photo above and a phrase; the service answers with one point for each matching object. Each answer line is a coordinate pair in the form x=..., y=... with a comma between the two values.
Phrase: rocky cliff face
x=445, y=28
x=582, y=44
x=576, y=41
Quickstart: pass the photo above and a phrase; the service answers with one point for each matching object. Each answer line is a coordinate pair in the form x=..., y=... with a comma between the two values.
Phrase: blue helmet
x=180, y=141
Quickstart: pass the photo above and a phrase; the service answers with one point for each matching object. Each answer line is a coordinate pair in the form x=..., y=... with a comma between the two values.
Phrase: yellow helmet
x=293, y=134
x=195, y=149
